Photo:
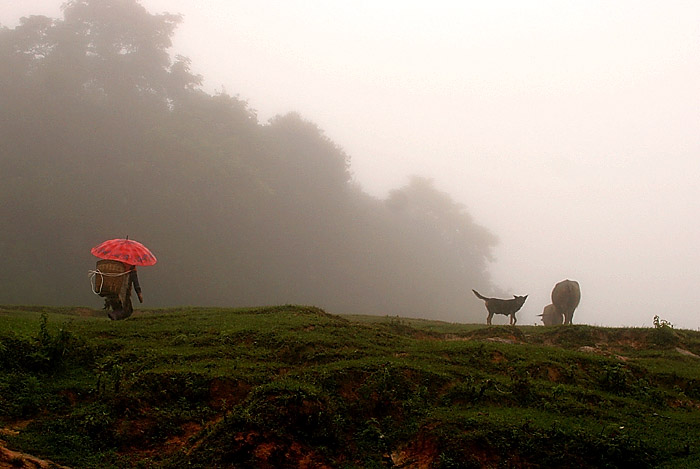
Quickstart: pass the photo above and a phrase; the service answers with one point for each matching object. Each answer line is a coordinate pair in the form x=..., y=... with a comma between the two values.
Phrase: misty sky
x=569, y=129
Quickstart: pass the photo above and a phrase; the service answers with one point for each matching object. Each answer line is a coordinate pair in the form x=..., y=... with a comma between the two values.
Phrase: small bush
x=45, y=353
x=617, y=379
x=663, y=334
x=21, y=395
x=469, y=391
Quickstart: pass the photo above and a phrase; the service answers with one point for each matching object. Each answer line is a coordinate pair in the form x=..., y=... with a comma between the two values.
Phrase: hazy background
x=571, y=130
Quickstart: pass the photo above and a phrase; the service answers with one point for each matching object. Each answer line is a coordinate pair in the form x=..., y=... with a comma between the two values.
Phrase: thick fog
x=570, y=130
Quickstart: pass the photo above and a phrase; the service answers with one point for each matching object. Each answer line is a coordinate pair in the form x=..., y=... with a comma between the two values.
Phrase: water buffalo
x=551, y=317
x=566, y=296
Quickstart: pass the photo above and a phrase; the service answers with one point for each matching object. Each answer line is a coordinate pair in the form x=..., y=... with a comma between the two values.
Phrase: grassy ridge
x=293, y=386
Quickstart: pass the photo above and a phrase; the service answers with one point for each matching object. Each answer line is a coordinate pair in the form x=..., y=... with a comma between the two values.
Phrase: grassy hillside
x=293, y=386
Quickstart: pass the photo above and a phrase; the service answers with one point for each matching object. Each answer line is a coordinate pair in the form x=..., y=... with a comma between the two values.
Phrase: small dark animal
x=551, y=317
x=566, y=296
x=505, y=307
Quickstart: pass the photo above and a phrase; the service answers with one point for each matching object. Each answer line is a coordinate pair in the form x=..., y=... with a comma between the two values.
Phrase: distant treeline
x=103, y=135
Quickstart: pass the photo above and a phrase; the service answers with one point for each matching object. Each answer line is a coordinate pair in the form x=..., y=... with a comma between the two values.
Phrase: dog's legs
x=488, y=319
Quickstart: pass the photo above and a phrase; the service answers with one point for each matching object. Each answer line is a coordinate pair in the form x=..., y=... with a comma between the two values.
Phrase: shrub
x=617, y=379
x=663, y=334
x=45, y=353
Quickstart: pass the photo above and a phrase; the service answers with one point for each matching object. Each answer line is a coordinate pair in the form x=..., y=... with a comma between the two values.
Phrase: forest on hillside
x=107, y=132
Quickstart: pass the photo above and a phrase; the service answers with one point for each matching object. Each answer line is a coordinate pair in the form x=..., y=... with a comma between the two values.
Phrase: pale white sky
x=570, y=129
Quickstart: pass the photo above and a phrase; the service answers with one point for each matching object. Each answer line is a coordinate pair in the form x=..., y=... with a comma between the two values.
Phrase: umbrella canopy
x=124, y=250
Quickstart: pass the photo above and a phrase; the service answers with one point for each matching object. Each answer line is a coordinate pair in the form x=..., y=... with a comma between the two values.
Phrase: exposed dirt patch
x=687, y=353
x=15, y=460
x=498, y=357
x=70, y=395
x=269, y=452
x=419, y=454
x=553, y=374
x=589, y=349
x=502, y=340
x=177, y=442
x=497, y=336
x=350, y=385
x=87, y=312
x=225, y=393
x=173, y=444
x=136, y=432
x=504, y=334
x=629, y=339
x=594, y=340
x=602, y=350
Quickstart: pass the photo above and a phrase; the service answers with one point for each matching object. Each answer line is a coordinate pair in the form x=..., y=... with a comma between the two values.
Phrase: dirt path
x=15, y=460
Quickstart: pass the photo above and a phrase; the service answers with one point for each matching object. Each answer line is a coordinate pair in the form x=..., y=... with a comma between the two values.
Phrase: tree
x=437, y=213
x=106, y=135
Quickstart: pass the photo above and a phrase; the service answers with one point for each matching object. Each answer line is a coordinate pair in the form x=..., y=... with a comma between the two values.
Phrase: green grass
x=288, y=385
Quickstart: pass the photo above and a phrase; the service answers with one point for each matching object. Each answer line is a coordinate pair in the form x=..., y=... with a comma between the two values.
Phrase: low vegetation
x=293, y=386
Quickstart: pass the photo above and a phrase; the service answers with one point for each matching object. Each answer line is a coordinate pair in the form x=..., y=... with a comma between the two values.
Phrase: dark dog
x=505, y=307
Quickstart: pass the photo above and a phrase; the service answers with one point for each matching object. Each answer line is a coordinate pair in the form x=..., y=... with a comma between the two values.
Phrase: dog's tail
x=479, y=295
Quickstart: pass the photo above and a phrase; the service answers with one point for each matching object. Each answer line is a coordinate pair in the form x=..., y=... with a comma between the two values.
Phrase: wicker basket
x=110, y=277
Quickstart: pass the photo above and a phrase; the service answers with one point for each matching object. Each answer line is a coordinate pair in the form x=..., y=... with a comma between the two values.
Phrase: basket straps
x=94, y=273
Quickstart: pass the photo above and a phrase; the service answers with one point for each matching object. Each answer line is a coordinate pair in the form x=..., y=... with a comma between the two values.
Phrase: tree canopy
x=104, y=133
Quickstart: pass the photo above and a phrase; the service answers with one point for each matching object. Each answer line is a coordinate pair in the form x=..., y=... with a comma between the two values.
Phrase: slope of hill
x=293, y=386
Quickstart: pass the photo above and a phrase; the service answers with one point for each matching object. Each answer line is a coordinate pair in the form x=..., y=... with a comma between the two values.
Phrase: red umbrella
x=124, y=250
